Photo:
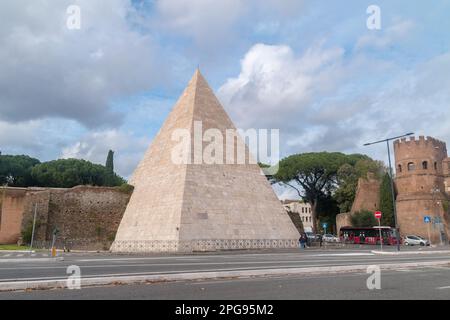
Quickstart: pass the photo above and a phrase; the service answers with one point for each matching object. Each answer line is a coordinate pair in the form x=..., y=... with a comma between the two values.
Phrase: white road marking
x=343, y=255
x=443, y=288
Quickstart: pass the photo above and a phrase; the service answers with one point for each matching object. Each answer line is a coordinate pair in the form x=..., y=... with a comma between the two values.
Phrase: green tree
x=386, y=203
x=345, y=193
x=16, y=170
x=68, y=173
x=327, y=209
x=349, y=175
x=110, y=161
x=363, y=219
x=312, y=175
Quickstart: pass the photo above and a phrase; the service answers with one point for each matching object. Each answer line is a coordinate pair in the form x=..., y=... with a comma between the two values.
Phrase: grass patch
x=12, y=247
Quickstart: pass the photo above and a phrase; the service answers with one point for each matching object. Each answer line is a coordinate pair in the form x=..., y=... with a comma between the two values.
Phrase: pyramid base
x=189, y=246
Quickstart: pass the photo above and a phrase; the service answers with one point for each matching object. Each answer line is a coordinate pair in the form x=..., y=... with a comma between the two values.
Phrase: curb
x=18, y=260
x=155, y=278
x=395, y=253
x=17, y=251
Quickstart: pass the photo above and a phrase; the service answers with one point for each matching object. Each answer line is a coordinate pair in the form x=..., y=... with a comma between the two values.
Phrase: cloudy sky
x=310, y=68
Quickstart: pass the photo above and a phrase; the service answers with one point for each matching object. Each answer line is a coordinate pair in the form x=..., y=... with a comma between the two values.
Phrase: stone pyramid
x=185, y=207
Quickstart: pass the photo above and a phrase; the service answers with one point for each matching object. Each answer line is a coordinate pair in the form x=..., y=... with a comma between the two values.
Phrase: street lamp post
x=391, y=175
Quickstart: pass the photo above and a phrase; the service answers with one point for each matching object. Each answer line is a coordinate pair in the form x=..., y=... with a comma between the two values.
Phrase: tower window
x=425, y=165
x=435, y=166
x=411, y=166
x=399, y=168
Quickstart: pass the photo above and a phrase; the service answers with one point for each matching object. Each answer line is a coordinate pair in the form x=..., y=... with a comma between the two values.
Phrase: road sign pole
x=429, y=233
x=381, y=236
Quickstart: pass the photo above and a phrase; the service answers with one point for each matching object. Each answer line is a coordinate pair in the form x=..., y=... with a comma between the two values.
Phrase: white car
x=413, y=240
x=330, y=238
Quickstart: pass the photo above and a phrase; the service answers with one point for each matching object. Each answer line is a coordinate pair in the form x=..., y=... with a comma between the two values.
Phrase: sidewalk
x=408, y=252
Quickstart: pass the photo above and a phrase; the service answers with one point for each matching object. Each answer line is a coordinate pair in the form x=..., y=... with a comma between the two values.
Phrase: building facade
x=303, y=210
x=423, y=187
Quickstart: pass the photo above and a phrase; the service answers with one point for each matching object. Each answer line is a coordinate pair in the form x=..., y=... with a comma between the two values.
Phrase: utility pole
x=34, y=227
x=391, y=175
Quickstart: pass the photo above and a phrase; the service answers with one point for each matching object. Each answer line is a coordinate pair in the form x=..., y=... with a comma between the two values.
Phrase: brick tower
x=421, y=186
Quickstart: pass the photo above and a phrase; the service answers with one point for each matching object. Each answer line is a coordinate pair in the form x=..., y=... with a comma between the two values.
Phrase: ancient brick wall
x=86, y=217
x=367, y=195
x=11, y=209
x=446, y=168
x=343, y=220
x=367, y=198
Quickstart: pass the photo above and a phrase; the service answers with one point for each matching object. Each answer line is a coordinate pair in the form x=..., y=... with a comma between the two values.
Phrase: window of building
x=399, y=168
x=411, y=166
x=435, y=166
x=425, y=165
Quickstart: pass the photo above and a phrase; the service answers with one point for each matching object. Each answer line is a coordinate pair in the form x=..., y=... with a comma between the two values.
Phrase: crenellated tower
x=446, y=169
x=422, y=166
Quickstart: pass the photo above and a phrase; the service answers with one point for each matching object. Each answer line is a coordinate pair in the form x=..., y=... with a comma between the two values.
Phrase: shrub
x=126, y=188
x=363, y=219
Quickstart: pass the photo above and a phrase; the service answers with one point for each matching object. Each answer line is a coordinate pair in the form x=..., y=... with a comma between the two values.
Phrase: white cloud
x=393, y=34
x=95, y=146
x=205, y=21
x=279, y=86
x=322, y=101
x=73, y=74
x=38, y=138
x=215, y=25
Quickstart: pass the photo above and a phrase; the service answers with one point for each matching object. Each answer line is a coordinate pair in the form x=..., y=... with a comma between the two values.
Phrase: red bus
x=368, y=235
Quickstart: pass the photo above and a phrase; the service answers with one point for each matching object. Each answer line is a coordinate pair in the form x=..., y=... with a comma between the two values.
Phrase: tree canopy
x=386, y=203
x=110, y=161
x=16, y=170
x=313, y=175
x=363, y=219
x=327, y=181
x=67, y=173
x=348, y=176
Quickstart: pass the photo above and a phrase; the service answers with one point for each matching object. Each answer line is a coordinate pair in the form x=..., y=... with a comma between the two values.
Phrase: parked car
x=413, y=240
x=330, y=238
x=311, y=236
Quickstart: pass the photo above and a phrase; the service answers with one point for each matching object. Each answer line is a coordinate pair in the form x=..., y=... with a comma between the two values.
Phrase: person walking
x=303, y=240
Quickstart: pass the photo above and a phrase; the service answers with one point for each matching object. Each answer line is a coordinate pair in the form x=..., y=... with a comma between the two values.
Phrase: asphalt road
x=94, y=265
x=428, y=283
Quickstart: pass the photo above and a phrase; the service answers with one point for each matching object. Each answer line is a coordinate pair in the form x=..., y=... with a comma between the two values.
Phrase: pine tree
x=386, y=204
x=110, y=161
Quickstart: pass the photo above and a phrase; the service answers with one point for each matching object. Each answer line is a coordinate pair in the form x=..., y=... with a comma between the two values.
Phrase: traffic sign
x=427, y=219
x=325, y=225
x=378, y=214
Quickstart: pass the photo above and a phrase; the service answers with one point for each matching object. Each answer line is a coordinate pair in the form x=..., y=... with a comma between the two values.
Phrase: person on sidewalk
x=303, y=240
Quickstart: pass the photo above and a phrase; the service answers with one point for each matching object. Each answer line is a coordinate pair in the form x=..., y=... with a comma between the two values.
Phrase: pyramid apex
x=198, y=80
x=197, y=74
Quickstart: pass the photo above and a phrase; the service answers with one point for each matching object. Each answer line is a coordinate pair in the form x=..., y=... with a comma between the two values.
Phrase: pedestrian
x=302, y=240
